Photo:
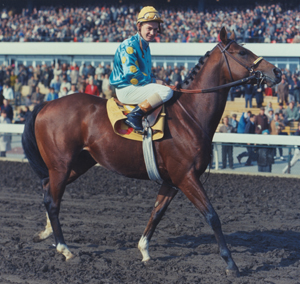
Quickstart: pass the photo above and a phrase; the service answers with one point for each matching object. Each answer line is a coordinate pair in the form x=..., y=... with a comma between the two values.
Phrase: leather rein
x=258, y=75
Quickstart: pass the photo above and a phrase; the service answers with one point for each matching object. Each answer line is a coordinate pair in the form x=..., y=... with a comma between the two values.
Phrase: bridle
x=250, y=69
x=258, y=75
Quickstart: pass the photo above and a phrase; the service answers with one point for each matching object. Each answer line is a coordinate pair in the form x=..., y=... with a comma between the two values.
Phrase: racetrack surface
x=103, y=216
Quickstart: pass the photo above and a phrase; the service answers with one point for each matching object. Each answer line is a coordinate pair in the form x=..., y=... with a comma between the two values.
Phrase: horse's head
x=240, y=62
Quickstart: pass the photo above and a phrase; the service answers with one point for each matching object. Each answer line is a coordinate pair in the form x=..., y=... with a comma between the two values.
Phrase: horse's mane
x=190, y=77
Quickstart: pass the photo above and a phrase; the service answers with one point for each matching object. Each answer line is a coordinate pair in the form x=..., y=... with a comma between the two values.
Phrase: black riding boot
x=134, y=118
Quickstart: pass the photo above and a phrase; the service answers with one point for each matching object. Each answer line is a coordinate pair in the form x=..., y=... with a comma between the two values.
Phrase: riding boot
x=134, y=118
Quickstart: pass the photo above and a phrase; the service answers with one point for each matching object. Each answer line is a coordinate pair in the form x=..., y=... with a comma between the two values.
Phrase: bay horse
x=66, y=137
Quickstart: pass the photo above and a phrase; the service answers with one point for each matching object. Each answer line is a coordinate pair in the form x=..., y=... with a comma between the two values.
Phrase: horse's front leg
x=163, y=199
x=195, y=192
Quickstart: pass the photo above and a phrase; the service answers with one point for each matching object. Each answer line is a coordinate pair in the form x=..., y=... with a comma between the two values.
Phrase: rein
x=258, y=75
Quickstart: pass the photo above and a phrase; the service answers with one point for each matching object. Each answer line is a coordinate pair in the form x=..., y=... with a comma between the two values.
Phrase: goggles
x=150, y=16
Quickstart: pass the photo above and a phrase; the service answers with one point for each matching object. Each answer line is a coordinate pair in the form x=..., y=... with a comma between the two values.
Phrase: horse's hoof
x=36, y=238
x=232, y=273
x=68, y=255
x=72, y=259
x=146, y=259
x=148, y=262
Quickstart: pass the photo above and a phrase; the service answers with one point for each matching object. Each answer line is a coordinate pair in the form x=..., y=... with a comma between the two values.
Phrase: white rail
x=157, y=49
x=218, y=137
x=275, y=140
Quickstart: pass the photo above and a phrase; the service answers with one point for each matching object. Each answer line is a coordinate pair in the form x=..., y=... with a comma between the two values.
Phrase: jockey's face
x=149, y=30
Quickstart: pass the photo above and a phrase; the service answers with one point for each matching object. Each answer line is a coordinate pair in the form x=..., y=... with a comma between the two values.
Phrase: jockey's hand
x=160, y=82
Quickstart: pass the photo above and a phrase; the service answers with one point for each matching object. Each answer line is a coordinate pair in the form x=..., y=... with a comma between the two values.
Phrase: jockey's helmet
x=149, y=14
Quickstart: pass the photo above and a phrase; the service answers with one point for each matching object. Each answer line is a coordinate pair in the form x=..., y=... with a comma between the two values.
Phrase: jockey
x=131, y=75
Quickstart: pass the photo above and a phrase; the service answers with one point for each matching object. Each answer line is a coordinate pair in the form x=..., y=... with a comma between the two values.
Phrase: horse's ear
x=232, y=36
x=223, y=35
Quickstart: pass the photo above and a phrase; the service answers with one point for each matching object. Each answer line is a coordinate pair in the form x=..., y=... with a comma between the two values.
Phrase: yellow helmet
x=149, y=14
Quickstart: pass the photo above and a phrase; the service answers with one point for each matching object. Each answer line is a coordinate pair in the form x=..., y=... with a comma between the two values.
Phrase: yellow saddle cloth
x=116, y=114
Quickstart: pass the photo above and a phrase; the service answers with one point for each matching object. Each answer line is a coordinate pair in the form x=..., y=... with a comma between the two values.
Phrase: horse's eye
x=242, y=52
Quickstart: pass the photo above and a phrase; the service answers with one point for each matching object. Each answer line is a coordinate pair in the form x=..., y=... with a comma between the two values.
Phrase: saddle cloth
x=117, y=115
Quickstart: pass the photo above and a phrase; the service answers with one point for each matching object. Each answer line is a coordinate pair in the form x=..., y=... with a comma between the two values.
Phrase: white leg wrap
x=143, y=247
x=65, y=251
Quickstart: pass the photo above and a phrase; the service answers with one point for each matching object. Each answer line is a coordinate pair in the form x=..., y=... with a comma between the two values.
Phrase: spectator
x=292, y=113
x=22, y=75
x=37, y=97
x=237, y=92
x=265, y=157
x=81, y=84
x=261, y=121
x=74, y=74
x=270, y=116
x=12, y=78
x=5, y=138
x=249, y=92
x=8, y=93
x=280, y=109
x=268, y=107
x=8, y=109
x=57, y=71
x=234, y=123
x=91, y=89
x=259, y=95
x=55, y=84
x=73, y=90
x=276, y=127
x=17, y=91
x=295, y=89
x=105, y=85
x=51, y=95
x=250, y=129
x=226, y=149
x=28, y=101
x=83, y=70
x=46, y=77
x=283, y=91
x=176, y=78
x=243, y=121
x=99, y=71
x=63, y=92
x=22, y=115
x=64, y=84
x=32, y=83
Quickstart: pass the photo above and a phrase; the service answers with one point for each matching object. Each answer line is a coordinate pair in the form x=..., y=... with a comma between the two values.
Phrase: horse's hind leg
x=52, y=201
x=164, y=197
x=79, y=167
x=195, y=192
x=43, y=235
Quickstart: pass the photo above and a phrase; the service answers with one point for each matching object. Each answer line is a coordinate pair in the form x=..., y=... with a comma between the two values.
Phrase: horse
x=64, y=138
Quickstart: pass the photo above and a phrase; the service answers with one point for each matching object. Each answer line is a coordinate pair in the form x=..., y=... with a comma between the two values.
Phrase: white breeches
x=137, y=94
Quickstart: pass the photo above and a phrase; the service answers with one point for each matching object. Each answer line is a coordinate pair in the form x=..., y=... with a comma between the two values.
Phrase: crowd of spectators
x=267, y=23
x=27, y=85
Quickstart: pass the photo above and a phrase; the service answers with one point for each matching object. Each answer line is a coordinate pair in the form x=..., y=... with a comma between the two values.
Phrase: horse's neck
x=206, y=108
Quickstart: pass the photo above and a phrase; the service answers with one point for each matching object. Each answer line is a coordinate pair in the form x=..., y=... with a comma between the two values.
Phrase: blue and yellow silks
x=130, y=68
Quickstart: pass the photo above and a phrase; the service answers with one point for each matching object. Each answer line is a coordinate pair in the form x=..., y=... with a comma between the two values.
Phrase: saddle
x=117, y=114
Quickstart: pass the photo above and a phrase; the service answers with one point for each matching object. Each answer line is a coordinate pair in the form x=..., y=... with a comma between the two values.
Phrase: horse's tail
x=30, y=145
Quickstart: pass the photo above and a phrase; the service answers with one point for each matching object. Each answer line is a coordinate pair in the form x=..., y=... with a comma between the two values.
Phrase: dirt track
x=103, y=216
